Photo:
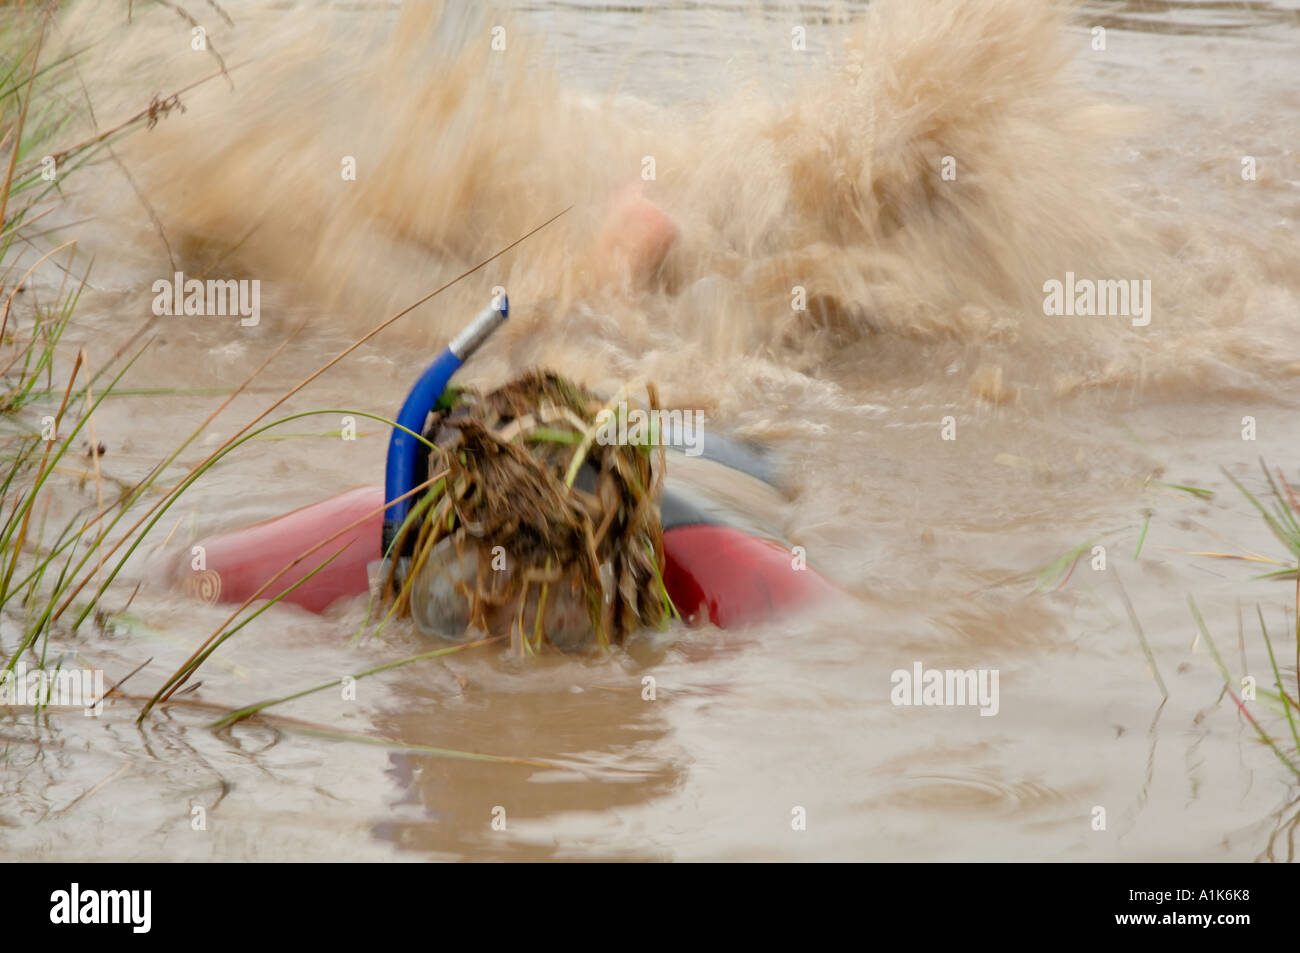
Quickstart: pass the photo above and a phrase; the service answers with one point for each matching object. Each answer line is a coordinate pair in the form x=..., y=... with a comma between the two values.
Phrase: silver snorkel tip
x=480, y=329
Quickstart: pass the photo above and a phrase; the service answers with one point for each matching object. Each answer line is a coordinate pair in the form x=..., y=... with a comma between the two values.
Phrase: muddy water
x=817, y=168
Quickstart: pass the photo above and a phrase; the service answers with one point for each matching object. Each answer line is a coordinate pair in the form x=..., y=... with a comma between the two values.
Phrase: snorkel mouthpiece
x=403, y=445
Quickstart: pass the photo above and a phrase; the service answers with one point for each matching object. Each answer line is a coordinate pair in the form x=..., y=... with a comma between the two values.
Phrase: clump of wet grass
x=535, y=508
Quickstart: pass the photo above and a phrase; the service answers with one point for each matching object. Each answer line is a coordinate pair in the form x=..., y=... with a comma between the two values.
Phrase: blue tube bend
x=404, y=448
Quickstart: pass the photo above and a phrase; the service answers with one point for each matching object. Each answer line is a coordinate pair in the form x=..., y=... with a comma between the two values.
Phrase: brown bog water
x=920, y=171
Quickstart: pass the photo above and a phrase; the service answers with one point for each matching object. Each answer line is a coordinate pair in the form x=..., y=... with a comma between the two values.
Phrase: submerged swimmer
x=718, y=561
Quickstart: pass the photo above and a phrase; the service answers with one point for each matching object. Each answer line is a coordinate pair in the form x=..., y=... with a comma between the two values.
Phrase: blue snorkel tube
x=403, y=448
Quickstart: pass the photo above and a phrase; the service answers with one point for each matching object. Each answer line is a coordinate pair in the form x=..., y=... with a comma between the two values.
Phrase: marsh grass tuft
x=1280, y=512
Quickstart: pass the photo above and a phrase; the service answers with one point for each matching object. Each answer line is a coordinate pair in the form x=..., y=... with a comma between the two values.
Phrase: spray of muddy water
x=925, y=300
x=832, y=186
